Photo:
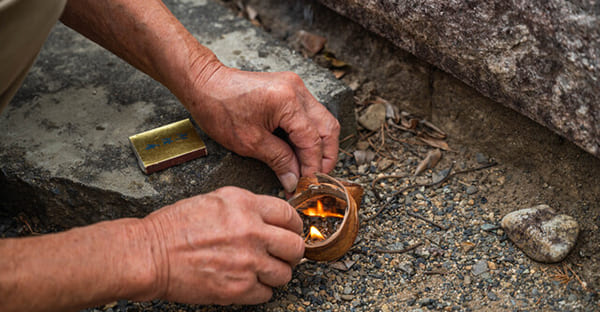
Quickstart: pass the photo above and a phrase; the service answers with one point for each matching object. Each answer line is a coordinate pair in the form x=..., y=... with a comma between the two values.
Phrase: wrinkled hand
x=226, y=247
x=241, y=110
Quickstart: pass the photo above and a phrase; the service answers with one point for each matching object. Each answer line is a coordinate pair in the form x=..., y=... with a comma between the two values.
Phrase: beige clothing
x=24, y=26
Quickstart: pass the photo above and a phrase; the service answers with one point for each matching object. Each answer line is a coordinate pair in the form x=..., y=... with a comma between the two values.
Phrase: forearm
x=147, y=35
x=75, y=269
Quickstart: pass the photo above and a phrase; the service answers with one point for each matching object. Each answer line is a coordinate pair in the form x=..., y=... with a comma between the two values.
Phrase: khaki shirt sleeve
x=24, y=26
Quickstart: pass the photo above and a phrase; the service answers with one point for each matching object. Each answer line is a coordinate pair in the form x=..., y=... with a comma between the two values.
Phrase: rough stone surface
x=541, y=233
x=65, y=154
x=541, y=58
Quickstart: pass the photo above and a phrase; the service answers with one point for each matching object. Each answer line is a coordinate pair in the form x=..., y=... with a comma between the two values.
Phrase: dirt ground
x=539, y=167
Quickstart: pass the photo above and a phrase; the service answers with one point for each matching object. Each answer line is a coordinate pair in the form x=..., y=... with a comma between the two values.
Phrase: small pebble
x=479, y=267
x=541, y=233
x=347, y=297
x=472, y=189
x=481, y=159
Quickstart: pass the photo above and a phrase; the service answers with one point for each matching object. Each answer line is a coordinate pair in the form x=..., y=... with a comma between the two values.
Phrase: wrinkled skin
x=242, y=110
x=229, y=246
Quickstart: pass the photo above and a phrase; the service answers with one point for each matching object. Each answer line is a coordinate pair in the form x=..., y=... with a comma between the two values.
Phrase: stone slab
x=541, y=58
x=64, y=150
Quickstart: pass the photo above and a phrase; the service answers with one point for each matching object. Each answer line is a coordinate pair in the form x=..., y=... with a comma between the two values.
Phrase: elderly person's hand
x=228, y=246
x=238, y=109
x=241, y=110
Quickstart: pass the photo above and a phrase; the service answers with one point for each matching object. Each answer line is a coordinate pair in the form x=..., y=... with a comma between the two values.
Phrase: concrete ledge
x=64, y=148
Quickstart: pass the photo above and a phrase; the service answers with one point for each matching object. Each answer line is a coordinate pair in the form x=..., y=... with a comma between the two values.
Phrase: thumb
x=278, y=155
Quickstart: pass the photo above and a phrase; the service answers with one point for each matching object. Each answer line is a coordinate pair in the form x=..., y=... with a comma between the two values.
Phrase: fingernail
x=289, y=181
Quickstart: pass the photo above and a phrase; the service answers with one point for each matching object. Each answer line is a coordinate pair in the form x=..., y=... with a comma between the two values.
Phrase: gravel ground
x=462, y=260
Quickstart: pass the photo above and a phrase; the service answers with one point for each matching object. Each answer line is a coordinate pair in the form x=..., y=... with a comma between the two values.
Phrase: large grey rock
x=541, y=233
x=541, y=58
x=64, y=150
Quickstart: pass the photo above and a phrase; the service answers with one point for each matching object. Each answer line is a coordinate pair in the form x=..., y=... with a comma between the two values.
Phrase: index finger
x=329, y=131
x=305, y=138
x=277, y=212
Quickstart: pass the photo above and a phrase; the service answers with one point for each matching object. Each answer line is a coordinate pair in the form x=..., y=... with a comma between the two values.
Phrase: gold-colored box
x=167, y=146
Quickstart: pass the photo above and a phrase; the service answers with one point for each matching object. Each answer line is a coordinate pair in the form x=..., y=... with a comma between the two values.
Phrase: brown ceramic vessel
x=350, y=194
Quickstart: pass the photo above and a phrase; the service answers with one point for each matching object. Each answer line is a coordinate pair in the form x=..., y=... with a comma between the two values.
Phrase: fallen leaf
x=252, y=13
x=430, y=161
x=337, y=63
x=339, y=265
x=409, y=123
x=312, y=43
x=434, y=142
x=333, y=61
x=432, y=130
x=343, y=265
x=338, y=73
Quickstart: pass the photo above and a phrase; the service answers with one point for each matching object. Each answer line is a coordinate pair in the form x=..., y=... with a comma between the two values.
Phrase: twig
x=433, y=272
x=582, y=283
x=377, y=195
x=366, y=136
x=28, y=226
x=347, y=138
x=382, y=135
x=414, y=215
x=382, y=208
x=376, y=149
x=409, y=248
x=492, y=164
x=387, y=149
x=345, y=152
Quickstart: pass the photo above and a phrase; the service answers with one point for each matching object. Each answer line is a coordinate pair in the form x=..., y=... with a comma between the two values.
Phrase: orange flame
x=320, y=212
x=315, y=233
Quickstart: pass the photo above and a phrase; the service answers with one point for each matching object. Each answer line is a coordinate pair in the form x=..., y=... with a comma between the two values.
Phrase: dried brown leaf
x=432, y=158
x=312, y=43
x=434, y=142
x=338, y=63
x=409, y=123
x=338, y=73
x=343, y=265
x=432, y=130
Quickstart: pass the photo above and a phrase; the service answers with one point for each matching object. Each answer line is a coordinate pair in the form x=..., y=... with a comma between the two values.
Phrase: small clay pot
x=338, y=243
